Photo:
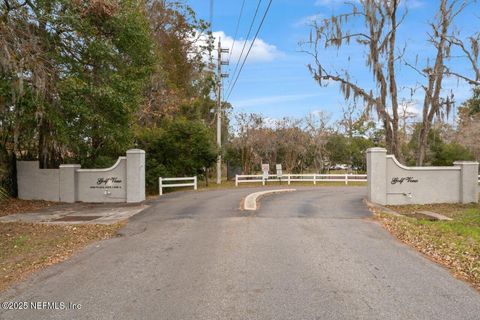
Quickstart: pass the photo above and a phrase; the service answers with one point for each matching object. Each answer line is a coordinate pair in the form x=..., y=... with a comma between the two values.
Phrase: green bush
x=178, y=148
x=446, y=154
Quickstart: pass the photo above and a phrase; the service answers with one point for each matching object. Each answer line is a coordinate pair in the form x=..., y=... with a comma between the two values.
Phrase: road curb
x=250, y=201
x=375, y=206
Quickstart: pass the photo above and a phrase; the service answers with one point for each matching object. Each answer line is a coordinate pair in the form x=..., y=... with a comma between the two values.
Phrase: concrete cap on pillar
x=377, y=150
x=135, y=151
x=466, y=163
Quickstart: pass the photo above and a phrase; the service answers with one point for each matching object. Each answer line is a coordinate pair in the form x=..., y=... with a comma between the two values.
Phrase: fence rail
x=161, y=184
x=289, y=178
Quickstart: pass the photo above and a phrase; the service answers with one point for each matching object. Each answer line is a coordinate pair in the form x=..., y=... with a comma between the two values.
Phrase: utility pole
x=220, y=77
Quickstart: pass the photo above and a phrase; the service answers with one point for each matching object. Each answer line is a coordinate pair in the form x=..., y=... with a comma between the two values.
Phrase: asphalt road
x=312, y=254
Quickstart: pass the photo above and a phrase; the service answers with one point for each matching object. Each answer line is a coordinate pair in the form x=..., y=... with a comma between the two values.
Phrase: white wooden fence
x=161, y=184
x=289, y=178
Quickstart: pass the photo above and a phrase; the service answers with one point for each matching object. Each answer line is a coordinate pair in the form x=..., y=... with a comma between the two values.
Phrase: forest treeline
x=83, y=81
x=318, y=144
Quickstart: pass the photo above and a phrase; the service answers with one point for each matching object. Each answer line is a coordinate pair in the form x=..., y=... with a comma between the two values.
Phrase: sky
x=276, y=82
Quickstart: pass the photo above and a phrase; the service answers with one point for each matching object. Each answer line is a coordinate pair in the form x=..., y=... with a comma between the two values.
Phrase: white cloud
x=414, y=4
x=308, y=20
x=327, y=3
x=409, y=108
x=261, y=50
x=271, y=123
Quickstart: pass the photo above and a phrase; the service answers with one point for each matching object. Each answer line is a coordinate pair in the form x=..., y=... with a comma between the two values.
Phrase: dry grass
x=26, y=247
x=447, y=209
x=455, y=244
x=12, y=206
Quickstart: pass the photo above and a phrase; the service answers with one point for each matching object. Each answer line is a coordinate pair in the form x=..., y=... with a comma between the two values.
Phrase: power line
x=236, y=29
x=249, y=49
x=245, y=43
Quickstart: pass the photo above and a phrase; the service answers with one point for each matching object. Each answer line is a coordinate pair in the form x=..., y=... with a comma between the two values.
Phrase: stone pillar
x=68, y=183
x=135, y=175
x=468, y=181
x=377, y=175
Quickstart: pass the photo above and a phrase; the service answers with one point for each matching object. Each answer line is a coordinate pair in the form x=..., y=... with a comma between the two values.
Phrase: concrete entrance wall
x=390, y=182
x=123, y=182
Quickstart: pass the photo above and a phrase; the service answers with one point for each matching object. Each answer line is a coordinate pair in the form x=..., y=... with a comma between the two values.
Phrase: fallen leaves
x=447, y=209
x=455, y=244
x=12, y=206
x=27, y=247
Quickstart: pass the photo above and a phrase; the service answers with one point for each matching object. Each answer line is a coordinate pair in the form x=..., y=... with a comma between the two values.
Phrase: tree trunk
x=422, y=144
x=206, y=177
x=42, y=149
x=396, y=148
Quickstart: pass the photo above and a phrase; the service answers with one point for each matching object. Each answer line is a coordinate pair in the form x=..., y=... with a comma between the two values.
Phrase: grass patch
x=26, y=247
x=455, y=244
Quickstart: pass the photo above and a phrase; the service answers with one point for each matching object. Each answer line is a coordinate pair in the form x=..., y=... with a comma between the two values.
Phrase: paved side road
x=310, y=254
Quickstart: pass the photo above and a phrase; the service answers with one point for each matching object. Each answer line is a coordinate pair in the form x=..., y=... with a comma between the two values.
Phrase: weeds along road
x=311, y=254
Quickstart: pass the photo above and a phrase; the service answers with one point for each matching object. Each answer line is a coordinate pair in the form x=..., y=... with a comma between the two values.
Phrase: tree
x=246, y=140
x=342, y=149
x=78, y=79
x=470, y=48
x=74, y=73
x=468, y=133
x=292, y=144
x=338, y=149
x=380, y=18
x=181, y=76
x=441, y=150
x=358, y=152
x=434, y=103
x=445, y=154
x=318, y=131
x=180, y=147
x=106, y=79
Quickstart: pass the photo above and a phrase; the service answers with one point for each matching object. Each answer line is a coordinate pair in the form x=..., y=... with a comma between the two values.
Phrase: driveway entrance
x=310, y=254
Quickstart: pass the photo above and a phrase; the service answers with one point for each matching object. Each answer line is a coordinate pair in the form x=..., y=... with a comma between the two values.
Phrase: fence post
x=195, y=182
x=263, y=181
x=314, y=178
x=236, y=180
x=160, y=185
x=288, y=179
x=346, y=179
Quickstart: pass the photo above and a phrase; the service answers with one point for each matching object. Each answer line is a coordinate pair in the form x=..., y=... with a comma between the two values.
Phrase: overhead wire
x=236, y=29
x=249, y=49
x=245, y=43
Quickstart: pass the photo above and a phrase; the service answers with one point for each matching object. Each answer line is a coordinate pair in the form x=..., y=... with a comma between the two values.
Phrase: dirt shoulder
x=455, y=244
x=27, y=247
x=12, y=206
